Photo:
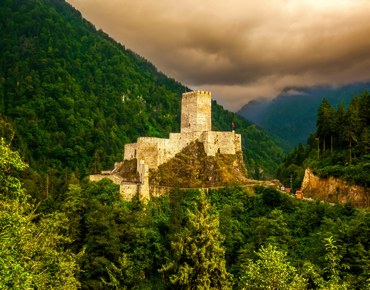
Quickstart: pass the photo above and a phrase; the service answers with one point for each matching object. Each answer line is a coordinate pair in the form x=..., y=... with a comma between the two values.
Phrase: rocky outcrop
x=334, y=190
x=193, y=168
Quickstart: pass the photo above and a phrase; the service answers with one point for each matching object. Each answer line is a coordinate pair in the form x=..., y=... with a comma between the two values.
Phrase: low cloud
x=242, y=50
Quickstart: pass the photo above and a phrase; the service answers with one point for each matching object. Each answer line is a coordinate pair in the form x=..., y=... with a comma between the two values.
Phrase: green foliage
x=271, y=197
x=271, y=271
x=32, y=254
x=10, y=186
x=197, y=257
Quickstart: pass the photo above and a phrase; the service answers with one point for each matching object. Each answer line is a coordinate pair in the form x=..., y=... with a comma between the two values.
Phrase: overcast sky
x=241, y=49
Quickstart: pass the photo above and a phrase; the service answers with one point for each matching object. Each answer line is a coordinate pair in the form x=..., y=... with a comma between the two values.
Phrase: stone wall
x=144, y=178
x=157, y=190
x=128, y=190
x=97, y=177
x=167, y=148
x=204, y=110
x=148, y=150
x=221, y=142
x=334, y=190
x=130, y=151
x=196, y=112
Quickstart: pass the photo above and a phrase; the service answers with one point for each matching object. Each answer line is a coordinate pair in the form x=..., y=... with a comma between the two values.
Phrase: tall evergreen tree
x=352, y=125
x=198, y=259
x=325, y=122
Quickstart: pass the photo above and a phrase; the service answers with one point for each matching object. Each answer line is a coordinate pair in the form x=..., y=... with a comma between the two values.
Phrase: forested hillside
x=340, y=147
x=230, y=238
x=292, y=115
x=74, y=97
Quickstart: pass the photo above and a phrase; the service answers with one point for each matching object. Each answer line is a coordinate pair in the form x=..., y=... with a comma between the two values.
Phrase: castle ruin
x=151, y=152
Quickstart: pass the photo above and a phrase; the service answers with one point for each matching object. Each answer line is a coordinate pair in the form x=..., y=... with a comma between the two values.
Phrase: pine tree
x=325, y=122
x=339, y=125
x=95, y=165
x=197, y=260
x=365, y=140
x=353, y=124
x=365, y=107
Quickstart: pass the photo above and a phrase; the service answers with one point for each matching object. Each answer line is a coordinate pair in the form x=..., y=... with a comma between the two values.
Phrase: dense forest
x=230, y=238
x=292, y=115
x=73, y=96
x=340, y=147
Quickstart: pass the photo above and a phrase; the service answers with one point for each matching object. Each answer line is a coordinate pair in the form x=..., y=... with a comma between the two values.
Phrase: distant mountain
x=255, y=109
x=292, y=114
x=73, y=96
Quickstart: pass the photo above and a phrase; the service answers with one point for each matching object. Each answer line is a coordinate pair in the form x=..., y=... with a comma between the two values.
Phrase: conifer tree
x=325, y=122
x=353, y=124
x=340, y=122
x=198, y=259
x=95, y=165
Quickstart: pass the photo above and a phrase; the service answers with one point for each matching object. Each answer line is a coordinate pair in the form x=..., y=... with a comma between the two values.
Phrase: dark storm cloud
x=242, y=50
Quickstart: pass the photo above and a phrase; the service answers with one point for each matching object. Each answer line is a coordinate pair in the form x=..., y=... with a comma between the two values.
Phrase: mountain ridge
x=292, y=116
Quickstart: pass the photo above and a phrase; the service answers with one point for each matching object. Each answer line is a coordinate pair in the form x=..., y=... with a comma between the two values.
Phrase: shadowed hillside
x=292, y=115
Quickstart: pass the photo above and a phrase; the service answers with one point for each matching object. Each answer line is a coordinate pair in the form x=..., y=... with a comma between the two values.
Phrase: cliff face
x=334, y=190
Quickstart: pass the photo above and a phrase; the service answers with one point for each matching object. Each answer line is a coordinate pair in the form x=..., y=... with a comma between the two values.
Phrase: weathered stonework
x=196, y=112
x=151, y=152
x=128, y=190
x=332, y=189
x=97, y=177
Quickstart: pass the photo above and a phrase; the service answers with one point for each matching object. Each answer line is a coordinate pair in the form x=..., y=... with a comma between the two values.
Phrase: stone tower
x=196, y=112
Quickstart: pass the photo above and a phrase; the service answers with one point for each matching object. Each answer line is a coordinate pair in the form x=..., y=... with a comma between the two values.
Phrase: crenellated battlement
x=195, y=93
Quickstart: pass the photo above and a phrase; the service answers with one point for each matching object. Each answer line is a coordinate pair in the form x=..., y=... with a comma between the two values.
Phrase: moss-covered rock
x=192, y=168
x=128, y=171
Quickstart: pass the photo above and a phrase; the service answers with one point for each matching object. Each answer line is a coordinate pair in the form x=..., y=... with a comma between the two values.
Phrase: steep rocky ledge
x=334, y=190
